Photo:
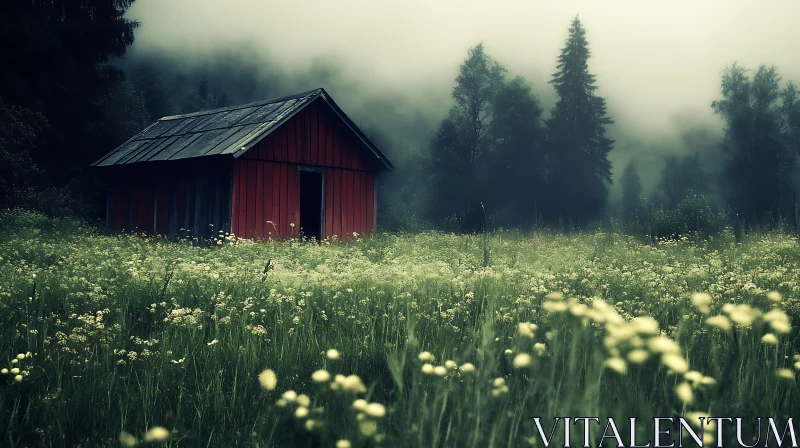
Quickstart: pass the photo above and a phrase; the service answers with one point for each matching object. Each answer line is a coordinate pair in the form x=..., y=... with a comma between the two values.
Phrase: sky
x=657, y=63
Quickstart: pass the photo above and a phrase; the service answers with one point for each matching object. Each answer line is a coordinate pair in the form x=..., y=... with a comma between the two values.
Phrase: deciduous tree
x=757, y=172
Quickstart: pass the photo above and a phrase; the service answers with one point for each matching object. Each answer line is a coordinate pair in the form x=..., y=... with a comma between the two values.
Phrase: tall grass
x=124, y=334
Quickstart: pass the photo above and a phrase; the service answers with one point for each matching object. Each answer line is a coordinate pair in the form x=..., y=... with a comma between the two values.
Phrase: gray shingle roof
x=226, y=131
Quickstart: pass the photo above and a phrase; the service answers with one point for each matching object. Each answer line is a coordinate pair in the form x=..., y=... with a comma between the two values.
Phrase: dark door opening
x=311, y=204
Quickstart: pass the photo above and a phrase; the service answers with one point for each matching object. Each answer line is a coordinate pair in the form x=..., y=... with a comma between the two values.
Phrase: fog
x=391, y=64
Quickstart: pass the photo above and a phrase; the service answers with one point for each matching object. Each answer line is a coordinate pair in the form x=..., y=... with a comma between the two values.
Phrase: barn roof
x=226, y=131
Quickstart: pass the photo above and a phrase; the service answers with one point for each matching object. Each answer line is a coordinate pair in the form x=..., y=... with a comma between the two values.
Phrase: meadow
x=393, y=340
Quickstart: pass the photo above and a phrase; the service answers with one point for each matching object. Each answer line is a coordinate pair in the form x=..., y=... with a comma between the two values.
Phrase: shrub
x=693, y=216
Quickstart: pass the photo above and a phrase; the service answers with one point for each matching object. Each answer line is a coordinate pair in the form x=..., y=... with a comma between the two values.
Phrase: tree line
x=496, y=151
x=497, y=155
x=757, y=181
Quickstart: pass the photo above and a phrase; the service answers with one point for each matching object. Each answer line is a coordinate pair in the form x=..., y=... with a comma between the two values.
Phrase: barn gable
x=266, y=184
x=230, y=131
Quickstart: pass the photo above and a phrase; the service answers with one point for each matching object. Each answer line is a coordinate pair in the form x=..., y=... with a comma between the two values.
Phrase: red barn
x=271, y=169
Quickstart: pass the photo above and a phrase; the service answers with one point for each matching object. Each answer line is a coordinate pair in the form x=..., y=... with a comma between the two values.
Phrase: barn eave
x=176, y=137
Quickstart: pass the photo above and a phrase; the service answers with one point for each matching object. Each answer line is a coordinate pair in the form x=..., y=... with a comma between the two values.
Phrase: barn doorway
x=312, y=212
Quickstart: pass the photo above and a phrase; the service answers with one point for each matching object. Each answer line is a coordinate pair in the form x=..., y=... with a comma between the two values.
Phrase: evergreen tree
x=580, y=172
x=462, y=141
x=757, y=172
x=631, y=191
x=54, y=65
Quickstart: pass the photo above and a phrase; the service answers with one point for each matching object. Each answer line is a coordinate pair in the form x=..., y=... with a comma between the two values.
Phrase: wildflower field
x=395, y=340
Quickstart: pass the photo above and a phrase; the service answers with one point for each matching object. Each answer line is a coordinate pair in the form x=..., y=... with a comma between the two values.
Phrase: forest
x=74, y=92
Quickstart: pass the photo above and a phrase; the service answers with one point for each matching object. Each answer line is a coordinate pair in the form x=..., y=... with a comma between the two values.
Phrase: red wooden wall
x=266, y=180
x=182, y=199
x=265, y=191
x=349, y=203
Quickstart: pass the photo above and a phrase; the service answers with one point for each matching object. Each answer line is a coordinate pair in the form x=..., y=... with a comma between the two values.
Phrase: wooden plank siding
x=163, y=201
x=188, y=199
x=120, y=197
x=266, y=200
x=258, y=194
x=314, y=136
x=266, y=185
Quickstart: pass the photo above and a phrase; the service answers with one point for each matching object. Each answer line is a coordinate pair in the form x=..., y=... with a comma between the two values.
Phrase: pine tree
x=55, y=65
x=580, y=172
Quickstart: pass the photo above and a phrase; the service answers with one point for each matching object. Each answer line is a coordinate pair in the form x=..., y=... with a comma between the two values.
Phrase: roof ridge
x=201, y=113
x=228, y=131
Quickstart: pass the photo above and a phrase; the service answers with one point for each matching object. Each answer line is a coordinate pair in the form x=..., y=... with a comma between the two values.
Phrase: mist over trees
x=760, y=156
x=202, y=98
x=557, y=170
x=70, y=96
x=495, y=147
x=518, y=167
x=680, y=177
x=631, y=191
x=463, y=145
